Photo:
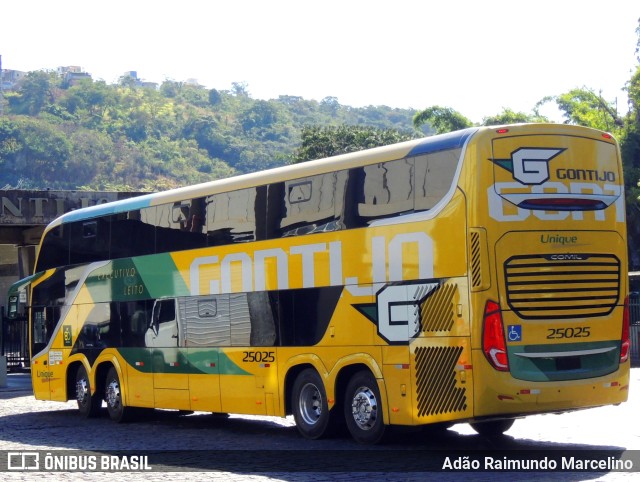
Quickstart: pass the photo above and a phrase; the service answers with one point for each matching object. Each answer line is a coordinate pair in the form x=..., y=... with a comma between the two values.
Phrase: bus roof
x=416, y=147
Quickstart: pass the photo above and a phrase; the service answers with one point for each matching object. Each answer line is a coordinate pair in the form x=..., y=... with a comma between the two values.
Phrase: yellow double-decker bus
x=477, y=276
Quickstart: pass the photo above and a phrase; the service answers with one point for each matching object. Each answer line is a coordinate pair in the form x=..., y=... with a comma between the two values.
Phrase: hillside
x=93, y=135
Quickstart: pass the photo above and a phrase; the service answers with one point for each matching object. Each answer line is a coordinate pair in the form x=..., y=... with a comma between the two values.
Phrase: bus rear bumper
x=498, y=393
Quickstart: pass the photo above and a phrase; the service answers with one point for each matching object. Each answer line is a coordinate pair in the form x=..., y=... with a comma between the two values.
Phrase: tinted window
x=180, y=225
x=307, y=205
x=101, y=328
x=135, y=319
x=89, y=240
x=133, y=233
x=54, y=250
x=231, y=217
x=379, y=191
x=434, y=175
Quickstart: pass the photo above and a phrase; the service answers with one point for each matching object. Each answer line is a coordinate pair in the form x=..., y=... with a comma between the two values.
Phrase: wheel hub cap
x=364, y=408
x=82, y=390
x=113, y=394
x=310, y=404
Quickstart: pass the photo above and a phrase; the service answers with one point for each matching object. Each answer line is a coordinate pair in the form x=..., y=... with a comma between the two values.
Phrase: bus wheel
x=362, y=409
x=492, y=428
x=113, y=397
x=88, y=405
x=310, y=408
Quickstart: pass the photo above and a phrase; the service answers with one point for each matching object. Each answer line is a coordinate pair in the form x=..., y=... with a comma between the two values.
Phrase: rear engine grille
x=436, y=382
x=437, y=311
x=475, y=260
x=562, y=286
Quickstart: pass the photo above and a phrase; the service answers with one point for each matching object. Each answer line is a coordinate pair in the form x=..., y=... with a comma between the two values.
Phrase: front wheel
x=362, y=409
x=88, y=405
x=113, y=396
x=309, y=402
x=492, y=428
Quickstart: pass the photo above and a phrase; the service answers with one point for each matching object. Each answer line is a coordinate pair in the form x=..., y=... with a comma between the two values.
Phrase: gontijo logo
x=570, y=194
x=529, y=165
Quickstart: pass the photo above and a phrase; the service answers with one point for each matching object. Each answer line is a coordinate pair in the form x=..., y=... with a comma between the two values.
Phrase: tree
x=214, y=97
x=441, y=119
x=508, y=116
x=326, y=141
x=262, y=114
x=34, y=94
x=34, y=150
x=587, y=108
x=240, y=89
x=630, y=149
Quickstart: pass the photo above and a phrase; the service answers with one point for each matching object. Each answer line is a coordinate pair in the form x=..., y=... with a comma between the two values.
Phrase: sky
x=477, y=57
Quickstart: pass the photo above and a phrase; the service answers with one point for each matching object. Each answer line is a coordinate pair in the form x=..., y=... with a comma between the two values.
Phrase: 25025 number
x=560, y=333
x=259, y=357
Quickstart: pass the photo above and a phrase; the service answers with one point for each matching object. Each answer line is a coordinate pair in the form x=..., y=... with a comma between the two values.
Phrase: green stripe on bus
x=160, y=276
x=196, y=361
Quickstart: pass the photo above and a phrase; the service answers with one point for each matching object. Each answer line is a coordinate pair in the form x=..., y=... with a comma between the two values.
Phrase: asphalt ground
x=269, y=448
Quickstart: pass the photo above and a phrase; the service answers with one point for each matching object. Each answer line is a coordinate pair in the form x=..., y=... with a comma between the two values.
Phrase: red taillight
x=493, y=342
x=626, y=339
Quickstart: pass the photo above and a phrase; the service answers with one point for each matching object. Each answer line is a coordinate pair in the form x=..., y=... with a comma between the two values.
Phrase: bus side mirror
x=12, y=308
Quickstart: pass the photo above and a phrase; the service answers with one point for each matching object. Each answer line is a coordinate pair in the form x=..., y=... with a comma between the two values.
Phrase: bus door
x=170, y=367
x=49, y=379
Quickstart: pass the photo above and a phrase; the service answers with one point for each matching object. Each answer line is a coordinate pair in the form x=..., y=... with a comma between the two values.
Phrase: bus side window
x=379, y=191
x=101, y=328
x=231, y=217
x=163, y=329
x=434, y=175
x=138, y=225
x=306, y=205
x=206, y=320
x=134, y=316
x=54, y=249
x=89, y=241
x=263, y=326
x=180, y=225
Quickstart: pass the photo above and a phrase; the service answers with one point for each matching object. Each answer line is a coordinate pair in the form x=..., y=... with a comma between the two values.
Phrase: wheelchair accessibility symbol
x=514, y=332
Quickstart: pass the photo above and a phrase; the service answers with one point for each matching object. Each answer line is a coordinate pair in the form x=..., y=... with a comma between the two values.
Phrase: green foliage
x=441, y=119
x=89, y=134
x=32, y=151
x=508, y=116
x=587, y=108
x=34, y=95
x=319, y=142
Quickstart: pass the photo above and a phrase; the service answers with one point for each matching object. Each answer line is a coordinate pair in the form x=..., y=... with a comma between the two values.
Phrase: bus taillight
x=493, y=342
x=626, y=340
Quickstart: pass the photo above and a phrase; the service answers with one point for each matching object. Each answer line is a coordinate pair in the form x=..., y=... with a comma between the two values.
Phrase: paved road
x=269, y=448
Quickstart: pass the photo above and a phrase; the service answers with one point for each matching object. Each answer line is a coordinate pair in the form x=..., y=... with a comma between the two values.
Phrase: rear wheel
x=88, y=405
x=309, y=402
x=113, y=396
x=492, y=428
x=362, y=409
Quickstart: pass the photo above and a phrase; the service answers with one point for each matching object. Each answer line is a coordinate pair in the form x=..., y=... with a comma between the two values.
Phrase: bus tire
x=363, y=410
x=310, y=407
x=88, y=405
x=113, y=396
x=492, y=428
